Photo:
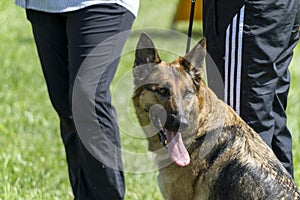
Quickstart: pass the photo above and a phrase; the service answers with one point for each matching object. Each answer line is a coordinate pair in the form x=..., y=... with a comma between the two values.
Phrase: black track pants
x=252, y=43
x=65, y=41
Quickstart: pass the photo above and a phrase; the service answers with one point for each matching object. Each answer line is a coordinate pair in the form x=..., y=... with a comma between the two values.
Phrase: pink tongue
x=176, y=148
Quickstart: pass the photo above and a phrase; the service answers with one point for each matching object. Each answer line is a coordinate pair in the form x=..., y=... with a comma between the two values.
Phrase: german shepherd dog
x=213, y=153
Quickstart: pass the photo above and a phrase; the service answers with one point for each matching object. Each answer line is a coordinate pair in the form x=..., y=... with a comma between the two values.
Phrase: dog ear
x=146, y=56
x=193, y=62
x=145, y=52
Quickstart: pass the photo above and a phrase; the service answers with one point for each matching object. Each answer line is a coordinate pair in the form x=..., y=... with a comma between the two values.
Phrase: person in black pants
x=79, y=53
x=251, y=43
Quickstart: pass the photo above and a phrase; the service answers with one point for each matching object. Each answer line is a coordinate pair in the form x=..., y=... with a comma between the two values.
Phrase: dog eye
x=164, y=91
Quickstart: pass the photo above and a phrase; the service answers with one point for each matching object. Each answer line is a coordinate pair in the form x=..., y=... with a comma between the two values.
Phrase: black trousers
x=65, y=44
x=251, y=43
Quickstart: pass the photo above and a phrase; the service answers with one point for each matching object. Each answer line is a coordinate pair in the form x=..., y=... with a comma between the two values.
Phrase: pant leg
x=282, y=137
x=51, y=41
x=90, y=178
x=246, y=50
x=94, y=45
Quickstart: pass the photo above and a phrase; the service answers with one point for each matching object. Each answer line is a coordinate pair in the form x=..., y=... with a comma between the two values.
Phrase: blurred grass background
x=32, y=158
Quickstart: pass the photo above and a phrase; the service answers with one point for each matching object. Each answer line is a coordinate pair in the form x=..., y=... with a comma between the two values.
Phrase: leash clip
x=162, y=138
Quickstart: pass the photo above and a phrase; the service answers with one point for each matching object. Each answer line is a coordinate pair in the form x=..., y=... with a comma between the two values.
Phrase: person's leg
x=217, y=17
x=282, y=137
x=268, y=72
x=51, y=41
x=94, y=51
x=245, y=46
x=90, y=179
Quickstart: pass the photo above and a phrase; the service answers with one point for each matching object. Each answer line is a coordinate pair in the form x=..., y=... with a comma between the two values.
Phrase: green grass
x=32, y=158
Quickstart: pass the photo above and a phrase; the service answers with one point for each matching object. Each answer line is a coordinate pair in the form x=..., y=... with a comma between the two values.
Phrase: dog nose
x=176, y=123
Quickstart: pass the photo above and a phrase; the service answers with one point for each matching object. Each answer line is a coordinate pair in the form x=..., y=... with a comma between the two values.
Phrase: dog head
x=167, y=97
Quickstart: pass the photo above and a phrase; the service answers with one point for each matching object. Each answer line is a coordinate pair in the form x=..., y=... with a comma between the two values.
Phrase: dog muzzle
x=169, y=132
